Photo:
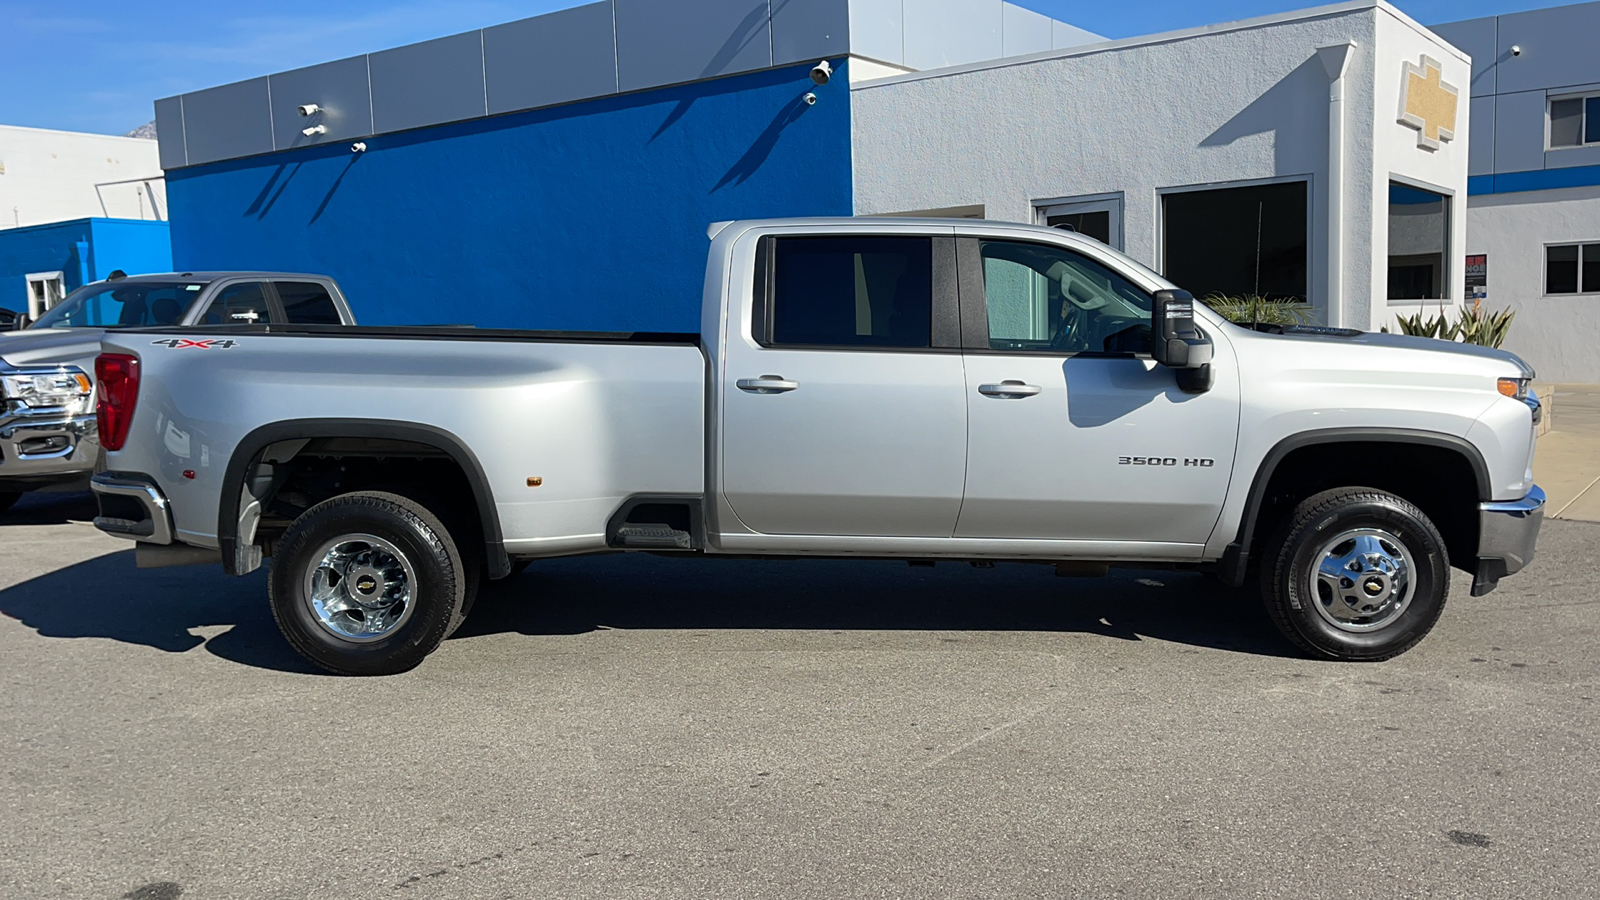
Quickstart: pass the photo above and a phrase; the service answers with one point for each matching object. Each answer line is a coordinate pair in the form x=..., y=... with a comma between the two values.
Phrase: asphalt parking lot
x=635, y=727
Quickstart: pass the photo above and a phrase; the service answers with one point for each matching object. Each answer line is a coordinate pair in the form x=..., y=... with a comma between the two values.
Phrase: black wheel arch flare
x=1236, y=559
x=254, y=444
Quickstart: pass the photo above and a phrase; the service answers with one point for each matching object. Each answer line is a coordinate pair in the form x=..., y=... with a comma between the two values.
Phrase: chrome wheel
x=1363, y=580
x=360, y=588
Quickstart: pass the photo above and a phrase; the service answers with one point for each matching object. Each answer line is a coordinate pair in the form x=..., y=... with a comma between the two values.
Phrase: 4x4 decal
x=184, y=343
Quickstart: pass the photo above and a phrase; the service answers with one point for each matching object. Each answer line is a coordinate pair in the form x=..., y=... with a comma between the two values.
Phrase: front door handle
x=768, y=384
x=1009, y=390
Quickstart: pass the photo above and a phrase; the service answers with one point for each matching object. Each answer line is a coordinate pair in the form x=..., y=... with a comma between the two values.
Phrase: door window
x=307, y=303
x=240, y=304
x=852, y=292
x=1051, y=299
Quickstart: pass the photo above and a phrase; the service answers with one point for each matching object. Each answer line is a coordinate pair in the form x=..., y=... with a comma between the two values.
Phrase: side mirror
x=1177, y=342
x=22, y=322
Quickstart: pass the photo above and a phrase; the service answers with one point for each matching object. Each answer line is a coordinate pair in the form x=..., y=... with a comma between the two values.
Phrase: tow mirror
x=1176, y=341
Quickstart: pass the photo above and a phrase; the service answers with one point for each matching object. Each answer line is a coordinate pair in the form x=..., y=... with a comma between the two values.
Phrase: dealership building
x=560, y=171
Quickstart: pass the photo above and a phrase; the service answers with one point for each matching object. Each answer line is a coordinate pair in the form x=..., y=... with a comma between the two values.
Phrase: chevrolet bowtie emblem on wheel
x=1428, y=104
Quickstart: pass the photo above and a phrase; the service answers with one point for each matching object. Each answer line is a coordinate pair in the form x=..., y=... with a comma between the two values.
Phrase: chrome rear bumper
x=131, y=506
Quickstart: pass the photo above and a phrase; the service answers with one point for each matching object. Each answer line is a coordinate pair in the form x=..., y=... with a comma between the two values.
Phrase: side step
x=653, y=537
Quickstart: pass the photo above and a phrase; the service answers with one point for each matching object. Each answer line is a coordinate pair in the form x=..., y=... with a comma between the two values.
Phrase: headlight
x=61, y=388
x=1515, y=388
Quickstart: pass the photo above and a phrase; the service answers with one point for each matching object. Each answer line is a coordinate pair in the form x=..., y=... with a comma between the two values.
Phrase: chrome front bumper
x=131, y=506
x=1507, y=534
x=47, y=448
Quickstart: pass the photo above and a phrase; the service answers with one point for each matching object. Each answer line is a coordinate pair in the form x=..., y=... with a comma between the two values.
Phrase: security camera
x=810, y=99
x=358, y=147
x=822, y=73
x=314, y=130
x=309, y=109
x=1516, y=49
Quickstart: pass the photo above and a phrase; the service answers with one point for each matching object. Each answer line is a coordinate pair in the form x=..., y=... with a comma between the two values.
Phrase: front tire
x=367, y=584
x=1356, y=574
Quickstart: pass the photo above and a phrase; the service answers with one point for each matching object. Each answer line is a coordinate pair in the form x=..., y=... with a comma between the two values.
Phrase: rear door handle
x=1009, y=390
x=768, y=384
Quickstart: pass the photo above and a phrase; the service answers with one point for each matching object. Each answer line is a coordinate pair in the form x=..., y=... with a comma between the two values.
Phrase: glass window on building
x=1237, y=242
x=1574, y=122
x=1572, y=269
x=1419, y=243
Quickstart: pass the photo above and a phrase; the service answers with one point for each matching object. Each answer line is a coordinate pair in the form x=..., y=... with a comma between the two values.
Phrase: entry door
x=843, y=408
x=1099, y=218
x=1075, y=435
x=45, y=290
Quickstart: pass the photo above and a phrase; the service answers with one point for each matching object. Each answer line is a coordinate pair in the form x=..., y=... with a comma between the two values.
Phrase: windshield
x=122, y=305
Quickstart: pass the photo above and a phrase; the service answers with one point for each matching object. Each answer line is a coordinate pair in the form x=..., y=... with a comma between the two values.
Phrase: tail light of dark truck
x=116, y=391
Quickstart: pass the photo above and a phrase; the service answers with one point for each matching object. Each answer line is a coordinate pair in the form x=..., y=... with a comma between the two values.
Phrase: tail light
x=116, y=389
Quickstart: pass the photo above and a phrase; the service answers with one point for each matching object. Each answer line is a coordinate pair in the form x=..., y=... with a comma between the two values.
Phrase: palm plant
x=1254, y=309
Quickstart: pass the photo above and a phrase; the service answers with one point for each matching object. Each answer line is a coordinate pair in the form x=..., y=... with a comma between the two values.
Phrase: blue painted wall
x=590, y=216
x=83, y=250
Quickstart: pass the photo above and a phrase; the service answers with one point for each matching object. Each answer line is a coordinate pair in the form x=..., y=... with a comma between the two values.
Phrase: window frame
x=944, y=328
x=1583, y=125
x=269, y=295
x=975, y=301
x=1111, y=203
x=58, y=277
x=1314, y=233
x=1580, y=292
x=1452, y=209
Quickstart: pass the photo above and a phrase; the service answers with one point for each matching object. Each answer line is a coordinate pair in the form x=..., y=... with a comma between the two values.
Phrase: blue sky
x=96, y=65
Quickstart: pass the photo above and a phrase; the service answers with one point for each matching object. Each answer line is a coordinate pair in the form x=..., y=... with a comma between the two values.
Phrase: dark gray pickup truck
x=47, y=420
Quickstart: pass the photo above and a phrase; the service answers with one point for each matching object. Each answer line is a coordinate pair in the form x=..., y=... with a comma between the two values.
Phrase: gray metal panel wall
x=809, y=30
x=1558, y=48
x=429, y=83
x=662, y=43
x=1477, y=38
x=1024, y=31
x=227, y=122
x=1480, y=143
x=943, y=33
x=556, y=58
x=340, y=88
x=877, y=30
x=1519, y=121
x=169, y=133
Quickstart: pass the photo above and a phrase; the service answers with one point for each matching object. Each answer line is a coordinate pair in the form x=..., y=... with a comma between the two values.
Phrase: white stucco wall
x=1396, y=156
x=1225, y=104
x=50, y=176
x=1559, y=335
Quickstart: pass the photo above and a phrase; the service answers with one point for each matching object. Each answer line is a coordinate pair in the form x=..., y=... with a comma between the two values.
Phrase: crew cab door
x=842, y=408
x=1075, y=434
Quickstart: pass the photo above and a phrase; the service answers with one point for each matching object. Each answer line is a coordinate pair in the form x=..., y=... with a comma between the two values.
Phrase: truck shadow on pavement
x=179, y=610
x=580, y=595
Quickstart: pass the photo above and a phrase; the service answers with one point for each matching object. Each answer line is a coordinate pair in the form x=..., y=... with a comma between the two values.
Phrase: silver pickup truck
x=920, y=390
x=47, y=424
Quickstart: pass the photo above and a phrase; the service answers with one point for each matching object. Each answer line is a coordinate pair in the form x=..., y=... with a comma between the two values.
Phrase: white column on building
x=1336, y=59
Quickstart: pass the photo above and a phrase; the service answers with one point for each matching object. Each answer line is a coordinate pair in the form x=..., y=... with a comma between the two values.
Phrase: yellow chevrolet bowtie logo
x=1428, y=104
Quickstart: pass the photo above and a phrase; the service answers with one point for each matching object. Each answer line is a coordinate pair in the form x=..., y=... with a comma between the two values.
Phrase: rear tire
x=367, y=584
x=1355, y=574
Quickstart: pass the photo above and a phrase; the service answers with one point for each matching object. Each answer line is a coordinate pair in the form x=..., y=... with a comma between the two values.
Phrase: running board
x=653, y=537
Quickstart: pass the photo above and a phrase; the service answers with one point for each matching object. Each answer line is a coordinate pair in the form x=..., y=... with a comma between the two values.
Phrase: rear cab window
x=851, y=292
x=308, y=303
x=244, y=303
